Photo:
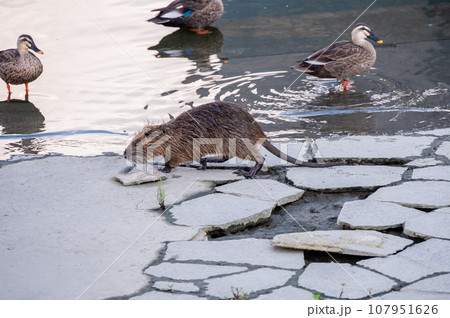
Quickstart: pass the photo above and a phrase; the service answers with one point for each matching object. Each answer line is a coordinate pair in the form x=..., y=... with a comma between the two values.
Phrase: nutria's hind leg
x=167, y=168
x=249, y=174
x=205, y=160
x=253, y=171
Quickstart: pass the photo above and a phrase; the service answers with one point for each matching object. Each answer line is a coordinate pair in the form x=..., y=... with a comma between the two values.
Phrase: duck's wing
x=327, y=61
x=178, y=9
x=335, y=52
x=7, y=56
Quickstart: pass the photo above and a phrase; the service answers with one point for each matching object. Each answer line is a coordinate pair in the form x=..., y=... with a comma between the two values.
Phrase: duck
x=20, y=66
x=193, y=15
x=343, y=59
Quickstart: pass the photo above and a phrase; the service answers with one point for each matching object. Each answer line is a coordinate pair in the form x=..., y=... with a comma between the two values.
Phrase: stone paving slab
x=244, y=251
x=76, y=220
x=373, y=147
x=437, y=284
x=253, y=281
x=375, y=215
x=186, y=271
x=343, y=280
x=156, y=295
x=436, y=132
x=218, y=176
x=287, y=293
x=263, y=189
x=400, y=295
x=222, y=211
x=434, y=224
x=418, y=194
x=432, y=173
x=415, y=262
x=138, y=177
x=424, y=162
x=344, y=177
x=444, y=149
x=176, y=191
x=174, y=286
x=358, y=242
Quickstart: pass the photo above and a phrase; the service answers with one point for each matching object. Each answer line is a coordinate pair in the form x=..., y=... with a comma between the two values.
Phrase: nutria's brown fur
x=227, y=130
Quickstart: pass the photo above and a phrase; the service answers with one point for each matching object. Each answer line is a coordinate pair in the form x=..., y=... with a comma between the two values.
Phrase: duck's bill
x=34, y=48
x=375, y=39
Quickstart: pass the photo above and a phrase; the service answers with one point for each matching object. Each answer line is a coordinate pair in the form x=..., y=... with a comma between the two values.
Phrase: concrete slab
x=174, y=286
x=373, y=147
x=287, y=293
x=245, y=251
x=432, y=173
x=156, y=295
x=415, y=262
x=186, y=271
x=358, y=242
x=444, y=149
x=253, y=281
x=434, y=224
x=375, y=215
x=419, y=194
x=344, y=177
x=76, y=221
x=222, y=211
x=263, y=189
x=343, y=280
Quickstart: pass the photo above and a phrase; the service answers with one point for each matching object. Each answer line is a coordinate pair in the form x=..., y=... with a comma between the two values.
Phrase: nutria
x=220, y=128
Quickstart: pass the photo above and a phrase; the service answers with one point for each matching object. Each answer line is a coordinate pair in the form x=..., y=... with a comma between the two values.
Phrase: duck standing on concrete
x=19, y=66
x=343, y=59
x=194, y=15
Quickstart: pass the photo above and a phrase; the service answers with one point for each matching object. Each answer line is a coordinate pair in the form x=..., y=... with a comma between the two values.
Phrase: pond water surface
x=107, y=71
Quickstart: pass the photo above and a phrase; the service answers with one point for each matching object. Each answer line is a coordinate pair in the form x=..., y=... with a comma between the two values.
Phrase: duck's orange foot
x=347, y=85
x=201, y=31
x=9, y=88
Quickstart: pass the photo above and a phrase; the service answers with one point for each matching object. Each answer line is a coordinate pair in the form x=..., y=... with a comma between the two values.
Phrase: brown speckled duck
x=19, y=66
x=343, y=59
x=194, y=15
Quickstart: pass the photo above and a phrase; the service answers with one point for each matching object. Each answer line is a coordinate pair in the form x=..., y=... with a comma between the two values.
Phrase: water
x=107, y=72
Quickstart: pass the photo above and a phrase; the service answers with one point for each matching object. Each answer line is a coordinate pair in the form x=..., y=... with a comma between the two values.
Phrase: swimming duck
x=19, y=66
x=194, y=15
x=343, y=59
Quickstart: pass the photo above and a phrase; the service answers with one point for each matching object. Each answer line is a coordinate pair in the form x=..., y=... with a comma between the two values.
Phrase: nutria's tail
x=274, y=150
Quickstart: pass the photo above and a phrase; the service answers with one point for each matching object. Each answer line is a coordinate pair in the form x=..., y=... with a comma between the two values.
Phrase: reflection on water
x=21, y=117
x=110, y=71
x=197, y=48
